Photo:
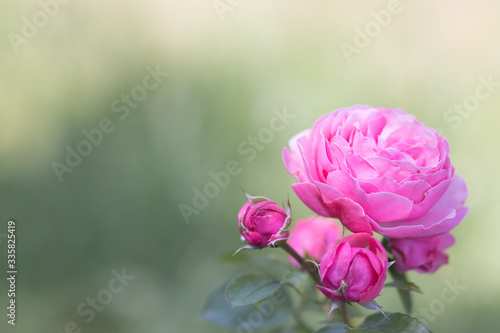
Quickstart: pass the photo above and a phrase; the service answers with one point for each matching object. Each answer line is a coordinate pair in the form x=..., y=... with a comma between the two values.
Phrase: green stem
x=298, y=318
x=301, y=294
x=307, y=266
x=344, y=313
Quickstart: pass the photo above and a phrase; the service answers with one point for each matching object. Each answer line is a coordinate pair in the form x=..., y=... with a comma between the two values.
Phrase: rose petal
x=350, y=214
x=385, y=206
x=361, y=276
x=339, y=266
x=361, y=239
x=312, y=198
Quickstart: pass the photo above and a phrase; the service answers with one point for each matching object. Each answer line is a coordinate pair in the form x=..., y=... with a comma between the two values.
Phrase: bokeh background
x=228, y=70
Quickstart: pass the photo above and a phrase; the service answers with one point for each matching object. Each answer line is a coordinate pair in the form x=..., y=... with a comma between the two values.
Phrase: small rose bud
x=353, y=273
x=263, y=222
x=423, y=254
x=313, y=237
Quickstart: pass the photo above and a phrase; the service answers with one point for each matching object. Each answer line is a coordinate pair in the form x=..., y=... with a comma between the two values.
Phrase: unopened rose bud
x=355, y=270
x=263, y=222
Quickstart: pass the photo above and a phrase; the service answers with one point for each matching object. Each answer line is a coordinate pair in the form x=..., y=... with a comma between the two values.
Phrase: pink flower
x=423, y=254
x=352, y=273
x=313, y=237
x=263, y=223
x=377, y=170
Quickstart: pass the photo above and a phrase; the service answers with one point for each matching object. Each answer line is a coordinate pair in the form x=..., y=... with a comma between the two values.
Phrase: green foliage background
x=119, y=207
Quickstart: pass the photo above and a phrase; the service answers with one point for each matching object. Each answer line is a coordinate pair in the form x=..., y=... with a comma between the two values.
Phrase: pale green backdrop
x=65, y=69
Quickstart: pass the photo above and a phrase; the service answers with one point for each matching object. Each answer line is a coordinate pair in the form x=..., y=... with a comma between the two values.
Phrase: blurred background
x=113, y=114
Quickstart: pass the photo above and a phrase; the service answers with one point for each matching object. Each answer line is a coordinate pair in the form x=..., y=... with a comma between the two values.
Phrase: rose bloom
x=378, y=170
x=423, y=254
x=353, y=273
x=313, y=237
x=263, y=222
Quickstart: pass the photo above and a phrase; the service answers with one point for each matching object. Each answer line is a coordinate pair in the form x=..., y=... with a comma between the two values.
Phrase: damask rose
x=313, y=237
x=355, y=270
x=264, y=223
x=378, y=170
x=423, y=254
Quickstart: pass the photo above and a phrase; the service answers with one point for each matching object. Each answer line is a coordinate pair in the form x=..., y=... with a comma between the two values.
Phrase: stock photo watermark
x=460, y=111
x=437, y=306
x=87, y=309
x=248, y=149
x=221, y=7
x=371, y=29
x=30, y=26
x=94, y=137
x=11, y=270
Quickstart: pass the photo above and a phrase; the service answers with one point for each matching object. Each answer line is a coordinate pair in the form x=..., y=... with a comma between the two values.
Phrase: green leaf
x=270, y=312
x=397, y=323
x=405, y=285
x=333, y=328
x=250, y=288
x=403, y=293
x=295, y=277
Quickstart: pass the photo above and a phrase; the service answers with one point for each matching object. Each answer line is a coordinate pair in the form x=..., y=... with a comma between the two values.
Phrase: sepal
x=372, y=305
x=247, y=247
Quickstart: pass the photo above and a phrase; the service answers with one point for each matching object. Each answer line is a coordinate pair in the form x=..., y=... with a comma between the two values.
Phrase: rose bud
x=423, y=254
x=353, y=273
x=313, y=237
x=263, y=222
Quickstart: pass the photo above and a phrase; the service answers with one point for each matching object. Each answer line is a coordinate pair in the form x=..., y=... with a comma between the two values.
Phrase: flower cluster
x=375, y=170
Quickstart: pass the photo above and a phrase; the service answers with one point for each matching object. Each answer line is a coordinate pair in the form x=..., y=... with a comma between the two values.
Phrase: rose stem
x=345, y=315
x=307, y=266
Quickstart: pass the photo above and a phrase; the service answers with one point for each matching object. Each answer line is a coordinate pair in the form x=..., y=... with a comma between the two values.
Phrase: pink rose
x=423, y=254
x=352, y=273
x=263, y=223
x=313, y=237
x=377, y=170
